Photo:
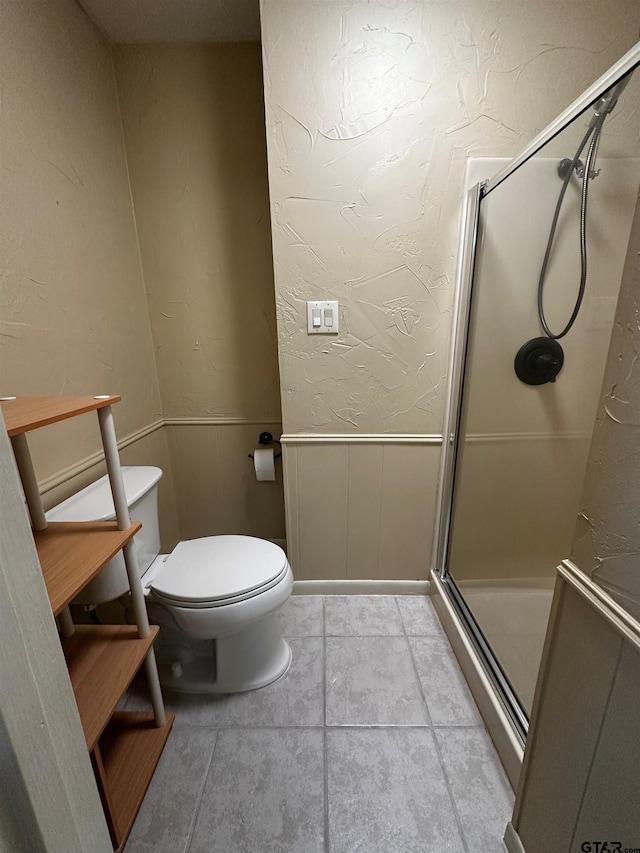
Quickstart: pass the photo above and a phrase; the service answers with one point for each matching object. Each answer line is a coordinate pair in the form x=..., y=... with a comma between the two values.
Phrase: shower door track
x=469, y=240
x=496, y=674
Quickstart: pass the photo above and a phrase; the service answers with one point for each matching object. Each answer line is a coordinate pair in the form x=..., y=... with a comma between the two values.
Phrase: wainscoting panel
x=322, y=493
x=366, y=463
x=360, y=507
x=407, y=518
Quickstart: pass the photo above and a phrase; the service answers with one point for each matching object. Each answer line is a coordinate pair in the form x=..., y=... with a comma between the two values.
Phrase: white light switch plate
x=322, y=318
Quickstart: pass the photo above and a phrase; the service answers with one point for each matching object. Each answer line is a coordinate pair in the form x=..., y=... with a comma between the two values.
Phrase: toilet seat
x=217, y=571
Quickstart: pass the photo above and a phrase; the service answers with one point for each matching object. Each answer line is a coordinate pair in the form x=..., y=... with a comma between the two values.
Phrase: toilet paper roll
x=264, y=463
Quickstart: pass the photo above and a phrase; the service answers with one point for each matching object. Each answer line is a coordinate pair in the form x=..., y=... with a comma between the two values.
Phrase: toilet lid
x=218, y=567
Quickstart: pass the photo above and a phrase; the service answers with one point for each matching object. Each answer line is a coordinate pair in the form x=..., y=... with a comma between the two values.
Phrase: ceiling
x=159, y=21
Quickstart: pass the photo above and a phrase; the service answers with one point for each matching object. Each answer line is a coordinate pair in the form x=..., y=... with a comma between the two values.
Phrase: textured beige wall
x=360, y=511
x=73, y=315
x=193, y=122
x=372, y=110
x=587, y=697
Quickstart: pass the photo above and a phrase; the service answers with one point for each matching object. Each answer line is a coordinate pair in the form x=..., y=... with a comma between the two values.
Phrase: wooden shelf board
x=71, y=553
x=27, y=413
x=130, y=748
x=102, y=660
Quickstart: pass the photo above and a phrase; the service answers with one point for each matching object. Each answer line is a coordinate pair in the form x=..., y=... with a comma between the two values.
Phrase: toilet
x=215, y=598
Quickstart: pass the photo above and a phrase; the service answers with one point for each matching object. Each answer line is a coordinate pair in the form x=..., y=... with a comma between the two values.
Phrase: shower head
x=606, y=104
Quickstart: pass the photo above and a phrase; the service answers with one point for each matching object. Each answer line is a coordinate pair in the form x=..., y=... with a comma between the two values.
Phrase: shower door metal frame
x=457, y=359
x=470, y=240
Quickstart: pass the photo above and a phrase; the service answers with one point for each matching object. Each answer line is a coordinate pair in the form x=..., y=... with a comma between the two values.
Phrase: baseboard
x=491, y=707
x=360, y=587
x=512, y=840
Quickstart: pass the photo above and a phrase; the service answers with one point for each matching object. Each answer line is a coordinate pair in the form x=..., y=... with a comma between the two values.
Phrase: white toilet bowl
x=215, y=598
x=225, y=591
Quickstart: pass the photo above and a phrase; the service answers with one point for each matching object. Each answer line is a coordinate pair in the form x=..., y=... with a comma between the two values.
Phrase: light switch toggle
x=322, y=318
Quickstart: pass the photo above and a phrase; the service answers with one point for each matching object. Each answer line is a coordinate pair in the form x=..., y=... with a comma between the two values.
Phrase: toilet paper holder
x=265, y=439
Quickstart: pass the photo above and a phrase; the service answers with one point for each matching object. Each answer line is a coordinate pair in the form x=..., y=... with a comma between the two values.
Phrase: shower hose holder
x=539, y=361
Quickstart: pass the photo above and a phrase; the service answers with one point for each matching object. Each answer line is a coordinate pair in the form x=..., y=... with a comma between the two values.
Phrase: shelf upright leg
x=66, y=622
x=29, y=482
x=36, y=510
x=112, y=458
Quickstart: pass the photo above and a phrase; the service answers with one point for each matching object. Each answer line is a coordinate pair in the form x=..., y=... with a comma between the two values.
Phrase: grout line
x=196, y=811
x=439, y=755
x=324, y=730
x=261, y=728
x=327, y=845
x=302, y=637
x=249, y=726
x=364, y=636
x=329, y=726
x=401, y=633
x=404, y=627
x=357, y=727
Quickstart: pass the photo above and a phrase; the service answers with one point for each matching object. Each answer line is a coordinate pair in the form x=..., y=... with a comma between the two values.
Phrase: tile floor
x=370, y=744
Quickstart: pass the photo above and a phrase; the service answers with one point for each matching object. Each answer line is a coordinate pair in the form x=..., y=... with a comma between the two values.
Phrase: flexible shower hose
x=593, y=133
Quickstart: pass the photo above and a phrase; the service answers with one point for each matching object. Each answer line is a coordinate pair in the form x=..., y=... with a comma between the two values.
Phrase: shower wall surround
x=587, y=695
x=607, y=539
x=372, y=111
x=524, y=450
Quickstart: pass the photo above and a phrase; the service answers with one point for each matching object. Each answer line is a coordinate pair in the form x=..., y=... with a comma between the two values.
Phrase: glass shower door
x=521, y=449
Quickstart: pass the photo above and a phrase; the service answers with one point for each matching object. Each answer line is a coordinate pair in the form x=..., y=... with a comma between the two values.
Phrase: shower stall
x=544, y=245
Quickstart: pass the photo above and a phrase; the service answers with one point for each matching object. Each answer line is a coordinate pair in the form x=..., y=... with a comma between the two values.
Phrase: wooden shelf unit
x=102, y=659
x=71, y=553
x=24, y=414
x=127, y=755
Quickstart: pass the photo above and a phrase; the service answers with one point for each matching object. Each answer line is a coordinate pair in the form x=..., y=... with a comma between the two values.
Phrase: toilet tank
x=95, y=503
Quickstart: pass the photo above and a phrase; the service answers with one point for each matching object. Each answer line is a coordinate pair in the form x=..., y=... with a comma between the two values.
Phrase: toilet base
x=246, y=660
